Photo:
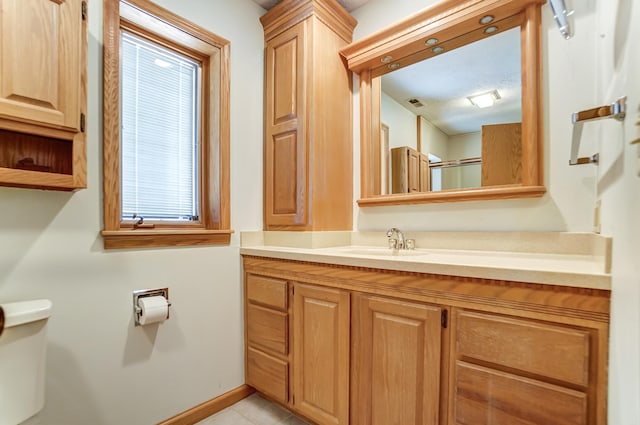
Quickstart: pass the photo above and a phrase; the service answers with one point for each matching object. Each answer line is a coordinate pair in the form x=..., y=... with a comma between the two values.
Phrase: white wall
x=467, y=145
x=462, y=146
x=403, y=128
x=102, y=370
x=599, y=64
x=434, y=141
x=618, y=186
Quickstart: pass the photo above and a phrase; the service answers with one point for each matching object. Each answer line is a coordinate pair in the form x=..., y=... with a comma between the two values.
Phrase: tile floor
x=253, y=410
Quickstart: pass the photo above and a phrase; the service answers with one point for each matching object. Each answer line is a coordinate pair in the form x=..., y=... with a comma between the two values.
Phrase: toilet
x=22, y=360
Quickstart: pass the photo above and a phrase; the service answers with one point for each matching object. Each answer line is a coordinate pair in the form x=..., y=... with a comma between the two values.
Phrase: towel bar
x=617, y=110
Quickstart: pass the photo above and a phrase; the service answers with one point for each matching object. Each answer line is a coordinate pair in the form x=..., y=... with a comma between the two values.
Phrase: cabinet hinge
x=83, y=122
x=444, y=318
x=84, y=10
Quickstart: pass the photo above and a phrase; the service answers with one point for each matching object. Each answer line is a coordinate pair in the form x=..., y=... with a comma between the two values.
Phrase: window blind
x=159, y=135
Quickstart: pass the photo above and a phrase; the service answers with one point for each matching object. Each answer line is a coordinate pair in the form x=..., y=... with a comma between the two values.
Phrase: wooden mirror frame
x=454, y=24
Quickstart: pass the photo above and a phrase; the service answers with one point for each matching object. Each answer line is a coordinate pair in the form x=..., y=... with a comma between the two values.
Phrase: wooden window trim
x=214, y=227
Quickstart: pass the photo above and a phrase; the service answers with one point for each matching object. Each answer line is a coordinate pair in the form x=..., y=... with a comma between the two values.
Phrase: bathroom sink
x=382, y=252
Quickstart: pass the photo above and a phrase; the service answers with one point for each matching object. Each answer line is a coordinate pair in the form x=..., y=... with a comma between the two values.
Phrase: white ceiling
x=443, y=83
x=347, y=4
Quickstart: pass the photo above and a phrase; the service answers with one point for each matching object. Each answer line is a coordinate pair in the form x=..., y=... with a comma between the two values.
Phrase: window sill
x=144, y=238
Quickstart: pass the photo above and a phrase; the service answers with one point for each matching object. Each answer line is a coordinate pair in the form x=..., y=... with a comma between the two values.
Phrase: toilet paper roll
x=154, y=309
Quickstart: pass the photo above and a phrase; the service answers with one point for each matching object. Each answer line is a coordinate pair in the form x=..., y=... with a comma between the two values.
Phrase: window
x=159, y=132
x=166, y=129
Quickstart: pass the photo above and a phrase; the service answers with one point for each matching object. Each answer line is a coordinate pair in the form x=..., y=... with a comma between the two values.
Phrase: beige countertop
x=566, y=259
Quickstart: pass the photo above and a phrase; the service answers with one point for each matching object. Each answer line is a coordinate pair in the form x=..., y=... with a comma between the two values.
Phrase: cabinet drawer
x=549, y=350
x=268, y=374
x=267, y=329
x=485, y=397
x=267, y=291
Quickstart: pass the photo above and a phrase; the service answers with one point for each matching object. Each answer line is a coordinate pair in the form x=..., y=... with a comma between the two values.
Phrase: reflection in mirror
x=426, y=111
x=417, y=116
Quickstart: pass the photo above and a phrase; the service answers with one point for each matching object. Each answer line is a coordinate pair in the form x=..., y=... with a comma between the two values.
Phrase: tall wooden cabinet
x=307, y=147
x=43, y=47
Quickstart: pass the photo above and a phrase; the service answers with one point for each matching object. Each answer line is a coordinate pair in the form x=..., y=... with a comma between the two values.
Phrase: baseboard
x=208, y=408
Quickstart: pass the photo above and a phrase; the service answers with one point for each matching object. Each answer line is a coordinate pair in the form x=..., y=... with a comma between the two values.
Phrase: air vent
x=415, y=102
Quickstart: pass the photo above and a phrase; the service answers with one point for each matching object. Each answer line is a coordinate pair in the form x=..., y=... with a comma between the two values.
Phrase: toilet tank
x=22, y=360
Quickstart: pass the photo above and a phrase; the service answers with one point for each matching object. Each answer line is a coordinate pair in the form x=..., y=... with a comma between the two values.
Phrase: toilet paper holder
x=142, y=293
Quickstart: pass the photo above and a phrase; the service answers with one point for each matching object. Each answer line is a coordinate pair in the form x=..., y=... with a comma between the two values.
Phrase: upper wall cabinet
x=43, y=45
x=308, y=150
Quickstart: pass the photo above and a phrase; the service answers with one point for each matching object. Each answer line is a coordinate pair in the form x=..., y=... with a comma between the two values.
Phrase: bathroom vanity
x=362, y=335
x=468, y=329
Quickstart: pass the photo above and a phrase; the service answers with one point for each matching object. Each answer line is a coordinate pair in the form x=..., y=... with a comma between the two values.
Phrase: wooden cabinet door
x=413, y=162
x=41, y=48
x=286, y=174
x=425, y=173
x=406, y=170
x=396, y=362
x=501, y=154
x=321, y=318
x=509, y=370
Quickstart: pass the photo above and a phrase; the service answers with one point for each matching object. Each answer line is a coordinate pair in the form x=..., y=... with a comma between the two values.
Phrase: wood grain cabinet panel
x=501, y=154
x=425, y=173
x=308, y=150
x=321, y=318
x=560, y=353
x=396, y=362
x=286, y=185
x=488, y=397
x=268, y=374
x=267, y=357
x=285, y=57
x=285, y=153
x=267, y=291
x=267, y=329
x=513, y=370
x=43, y=94
x=41, y=84
x=414, y=170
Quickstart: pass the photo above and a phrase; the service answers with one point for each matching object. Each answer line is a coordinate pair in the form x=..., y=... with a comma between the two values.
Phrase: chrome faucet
x=396, y=238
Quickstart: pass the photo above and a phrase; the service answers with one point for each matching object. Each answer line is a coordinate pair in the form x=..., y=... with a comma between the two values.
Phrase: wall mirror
x=423, y=137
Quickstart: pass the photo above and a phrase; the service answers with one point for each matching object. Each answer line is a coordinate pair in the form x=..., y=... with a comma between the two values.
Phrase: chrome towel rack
x=617, y=110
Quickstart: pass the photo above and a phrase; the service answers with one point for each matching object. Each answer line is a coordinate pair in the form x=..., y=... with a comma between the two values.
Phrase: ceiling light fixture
x=484, y=100
x=438, y=49
x=431, y=41
x=386, y=59
x=394, y=65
